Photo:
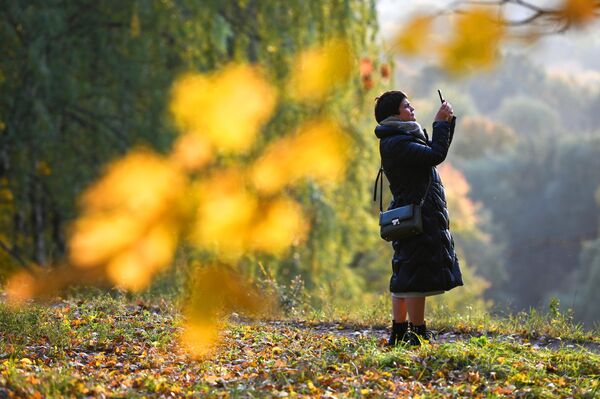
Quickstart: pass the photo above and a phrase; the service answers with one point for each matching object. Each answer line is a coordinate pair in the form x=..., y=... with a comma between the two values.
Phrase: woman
x=424, y=264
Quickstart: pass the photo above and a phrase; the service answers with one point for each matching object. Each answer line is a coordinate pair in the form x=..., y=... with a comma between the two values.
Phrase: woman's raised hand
x=445, y=112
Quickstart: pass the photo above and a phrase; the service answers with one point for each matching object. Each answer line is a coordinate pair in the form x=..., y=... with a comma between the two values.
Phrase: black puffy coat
x=425, y=262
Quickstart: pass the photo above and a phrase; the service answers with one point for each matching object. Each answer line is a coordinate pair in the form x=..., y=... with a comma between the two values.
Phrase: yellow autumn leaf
x=191, y=152
x=95, y=239
x=414, y=38
x=281, y=224
x=200, y=338
x=318, y=150
x=20, y=287
x=216, y=289
x=228, y=107
x=475, y=43
x=134, y=268
x=579, y=12
x=157, y=248
x=225, y=212
x=129, y=206
x=127, y=271
x=142, y=184
x=318, y=70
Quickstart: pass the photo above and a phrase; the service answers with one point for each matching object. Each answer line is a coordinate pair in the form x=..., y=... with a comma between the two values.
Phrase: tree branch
x=14, y=254
x=543, y=16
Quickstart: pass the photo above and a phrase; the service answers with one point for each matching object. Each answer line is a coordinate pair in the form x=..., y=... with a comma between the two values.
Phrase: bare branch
x=548, y=20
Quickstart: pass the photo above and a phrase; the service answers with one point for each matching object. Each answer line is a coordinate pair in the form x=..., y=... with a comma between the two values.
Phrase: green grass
x=113, y=345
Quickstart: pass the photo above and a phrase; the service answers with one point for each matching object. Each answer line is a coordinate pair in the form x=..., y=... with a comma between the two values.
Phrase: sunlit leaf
x=228, y=106
x=199, y=338
x=320, y=69
x=20, y=287
x=129, y=218
x=95, y=239
x=318, y=150
x=142, y=184
x=225, y=212
x=415, y=37
x=191, y=151
x=475, y=43
x=366, y=66
x=579, y=12
x=134, y=267
x=281, y=224
x=127, y=271
x=216, y=289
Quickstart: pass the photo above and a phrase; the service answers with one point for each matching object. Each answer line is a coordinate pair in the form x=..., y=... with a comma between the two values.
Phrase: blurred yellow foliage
x=227, y=107
x=43, y=168
x=143, y=185
x=135, y=23
x=191, y=152
x=462, y=209
x=226, y=210
x=231, y=220
x=132, y=217
x=199, y=337
x=579, y=12
x=475, y=43
x=317, y=71
x=414, y=38
x=318, y=150
x=129, y=220
x=280, y=225
x=20, y=287
x=216, y=289
x=96, y=238
x=134, y=268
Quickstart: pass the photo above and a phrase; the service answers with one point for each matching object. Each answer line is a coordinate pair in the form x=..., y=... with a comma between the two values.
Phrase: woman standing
x=424, y=264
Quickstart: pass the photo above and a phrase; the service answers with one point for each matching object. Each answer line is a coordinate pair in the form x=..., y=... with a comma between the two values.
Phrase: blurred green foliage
x=83, y=82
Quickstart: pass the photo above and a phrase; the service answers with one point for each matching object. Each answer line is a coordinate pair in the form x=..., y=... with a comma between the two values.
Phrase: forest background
x=84, y=83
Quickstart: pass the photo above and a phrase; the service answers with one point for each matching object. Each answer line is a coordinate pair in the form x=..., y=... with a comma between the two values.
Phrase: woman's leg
x=398, y=309
x=399, y=324
x=416, y=310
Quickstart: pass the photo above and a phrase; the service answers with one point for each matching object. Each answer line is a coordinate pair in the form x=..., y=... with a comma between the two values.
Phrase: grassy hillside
x=119, y=348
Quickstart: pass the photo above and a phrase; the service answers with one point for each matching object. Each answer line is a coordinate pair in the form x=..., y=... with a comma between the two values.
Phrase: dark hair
x=388, y=104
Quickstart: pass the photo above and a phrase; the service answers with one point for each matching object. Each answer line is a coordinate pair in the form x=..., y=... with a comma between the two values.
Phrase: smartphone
x=441, y=98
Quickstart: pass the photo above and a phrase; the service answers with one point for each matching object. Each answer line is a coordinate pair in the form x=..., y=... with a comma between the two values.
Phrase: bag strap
x=379, y=179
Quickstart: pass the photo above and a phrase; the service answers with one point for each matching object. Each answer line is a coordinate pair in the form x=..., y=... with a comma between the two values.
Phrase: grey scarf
x=408, y=127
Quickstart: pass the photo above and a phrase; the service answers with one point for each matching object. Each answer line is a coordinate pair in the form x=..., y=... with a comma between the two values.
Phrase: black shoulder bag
x=402, y=222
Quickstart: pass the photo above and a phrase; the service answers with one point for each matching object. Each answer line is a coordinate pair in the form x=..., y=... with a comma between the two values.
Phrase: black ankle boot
x=399, y=333
x=420, y=333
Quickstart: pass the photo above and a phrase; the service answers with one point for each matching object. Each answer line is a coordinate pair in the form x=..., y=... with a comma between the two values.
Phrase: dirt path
x=349, y=331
